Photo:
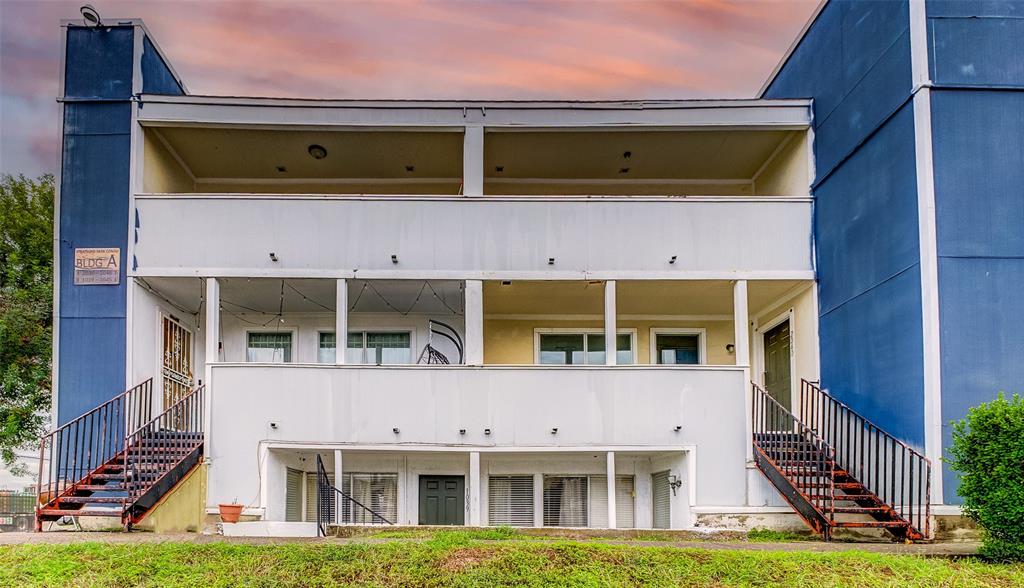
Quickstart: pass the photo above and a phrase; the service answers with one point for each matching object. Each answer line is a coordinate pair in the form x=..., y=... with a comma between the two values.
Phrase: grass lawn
x=460, y=559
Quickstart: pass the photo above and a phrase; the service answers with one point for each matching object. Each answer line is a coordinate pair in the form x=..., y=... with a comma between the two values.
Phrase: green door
x=777, y=379
x=442, y=500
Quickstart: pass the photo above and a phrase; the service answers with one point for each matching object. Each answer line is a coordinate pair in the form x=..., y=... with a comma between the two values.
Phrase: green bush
x=988, y=452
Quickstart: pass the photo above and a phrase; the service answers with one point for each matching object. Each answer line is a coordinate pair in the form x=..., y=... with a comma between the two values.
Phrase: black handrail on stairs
x=326, y=502
x=892, y=470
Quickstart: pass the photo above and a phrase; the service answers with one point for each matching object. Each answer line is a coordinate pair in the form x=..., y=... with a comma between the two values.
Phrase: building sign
x=97, y=266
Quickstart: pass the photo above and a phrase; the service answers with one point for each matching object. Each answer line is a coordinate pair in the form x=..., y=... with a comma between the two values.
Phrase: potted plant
x=229, y=513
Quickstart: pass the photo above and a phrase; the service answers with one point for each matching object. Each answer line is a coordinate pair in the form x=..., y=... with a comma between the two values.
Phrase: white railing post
x=610, y=331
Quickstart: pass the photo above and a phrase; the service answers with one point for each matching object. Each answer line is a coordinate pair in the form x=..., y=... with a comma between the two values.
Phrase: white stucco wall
x=358, y=407
x=470, y=237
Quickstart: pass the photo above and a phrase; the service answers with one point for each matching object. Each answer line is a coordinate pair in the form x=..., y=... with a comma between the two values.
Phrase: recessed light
x=317, y=152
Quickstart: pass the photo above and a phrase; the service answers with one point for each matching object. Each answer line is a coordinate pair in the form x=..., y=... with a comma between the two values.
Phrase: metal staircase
x=118, y=460
x=839, y=470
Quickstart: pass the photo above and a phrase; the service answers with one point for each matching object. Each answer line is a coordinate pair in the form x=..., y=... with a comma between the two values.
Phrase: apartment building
x=629, y=314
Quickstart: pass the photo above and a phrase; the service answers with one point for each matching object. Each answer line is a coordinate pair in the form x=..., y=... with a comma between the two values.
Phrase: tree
x=26, y=310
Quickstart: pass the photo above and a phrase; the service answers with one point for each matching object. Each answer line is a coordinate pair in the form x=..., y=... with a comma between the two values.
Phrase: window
x=510, y=500
x=269, y=347
x=327, y=351
x=565, y=501
x=378, y=492
x=581, y=348
x=377, y=348
x=677, y=346
x=582, y=501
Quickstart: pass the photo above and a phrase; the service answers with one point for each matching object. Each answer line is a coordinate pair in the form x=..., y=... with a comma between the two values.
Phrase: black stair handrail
x=780, y=436
x=892, y=470
x=155, y=448
x=326, y=503
x=80, y=446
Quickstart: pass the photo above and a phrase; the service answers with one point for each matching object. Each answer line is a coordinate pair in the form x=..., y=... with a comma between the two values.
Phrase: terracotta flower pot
x=229, y=513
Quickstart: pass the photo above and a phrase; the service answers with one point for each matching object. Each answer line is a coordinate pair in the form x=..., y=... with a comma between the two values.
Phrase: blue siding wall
x=93, y=213
x=976, y=43
x=978, y=142
x=156, y=76
x=855, y=63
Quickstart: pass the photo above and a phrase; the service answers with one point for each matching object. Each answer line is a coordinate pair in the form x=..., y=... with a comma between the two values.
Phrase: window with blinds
x=293, y=496
x=565, y=501
x=269, y=347
x=677, y=349
x=661, y=494
x=378, y=492
x=510, y=500
x=624, y=502
x=379, y=348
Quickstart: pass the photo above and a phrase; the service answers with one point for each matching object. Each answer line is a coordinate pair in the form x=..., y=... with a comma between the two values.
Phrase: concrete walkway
x=946, y=549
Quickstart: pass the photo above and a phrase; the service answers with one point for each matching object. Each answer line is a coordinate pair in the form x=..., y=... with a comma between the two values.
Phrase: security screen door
x=176, y=365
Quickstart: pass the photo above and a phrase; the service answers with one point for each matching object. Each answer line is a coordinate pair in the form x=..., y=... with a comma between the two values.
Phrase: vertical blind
x=293, y=496
x=661, y=495
x=510, y=500
x=624, y=502
x=565, y=501
x=378, y=492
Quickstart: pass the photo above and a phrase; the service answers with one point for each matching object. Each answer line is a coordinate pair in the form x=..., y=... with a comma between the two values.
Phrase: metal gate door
x=177, y=361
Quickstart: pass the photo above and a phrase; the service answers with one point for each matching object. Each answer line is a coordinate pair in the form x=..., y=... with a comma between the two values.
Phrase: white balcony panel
x=624, y=407
x=478, y=237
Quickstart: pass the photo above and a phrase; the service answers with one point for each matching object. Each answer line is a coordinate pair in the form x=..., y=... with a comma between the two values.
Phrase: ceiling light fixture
x=91, y=16
x=410, y=168
x=317, y=152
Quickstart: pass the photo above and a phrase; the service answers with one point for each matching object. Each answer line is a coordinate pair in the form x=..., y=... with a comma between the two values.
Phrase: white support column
x=741, y=318
x=538, y=500
x=609, y=323
x=341, y=321
x=212, y=350
x=474, y=488
x=212, y=323
x=338, y=471
x=611, y=490
x=474, y=322
x=473, y=162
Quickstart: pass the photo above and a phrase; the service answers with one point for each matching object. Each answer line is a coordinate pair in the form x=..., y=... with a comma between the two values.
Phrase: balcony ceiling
x=258, y=153
x=242, y=295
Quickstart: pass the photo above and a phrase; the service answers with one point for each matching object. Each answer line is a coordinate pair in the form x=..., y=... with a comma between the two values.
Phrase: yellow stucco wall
x=161, y=171
x=183, y=508
x=787, y=172
x=511, y=341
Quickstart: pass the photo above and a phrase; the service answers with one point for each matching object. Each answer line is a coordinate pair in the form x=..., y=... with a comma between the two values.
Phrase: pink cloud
x=411, y=49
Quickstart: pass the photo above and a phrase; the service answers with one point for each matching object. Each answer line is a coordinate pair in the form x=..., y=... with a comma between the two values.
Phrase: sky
x=406, y=50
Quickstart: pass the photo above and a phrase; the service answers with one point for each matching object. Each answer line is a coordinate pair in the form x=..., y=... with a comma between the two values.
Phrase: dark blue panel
x=975, y=8
x=982, y=315
x=977, y=51
x=93, y=213
x=870, y=29
x=872, y=355
x=978, y=143
x=92, y=364
x=812, y=71
x=875, y=97
x=156, y=76
x=99, y=62
x=866, y=215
